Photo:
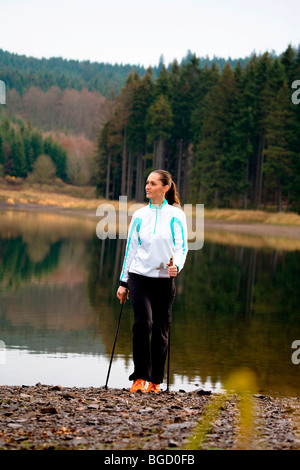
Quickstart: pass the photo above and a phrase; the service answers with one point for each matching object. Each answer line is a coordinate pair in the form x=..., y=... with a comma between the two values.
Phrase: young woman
x=157, y=232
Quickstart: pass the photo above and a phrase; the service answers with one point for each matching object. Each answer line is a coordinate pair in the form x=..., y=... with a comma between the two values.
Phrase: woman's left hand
x=172, y=270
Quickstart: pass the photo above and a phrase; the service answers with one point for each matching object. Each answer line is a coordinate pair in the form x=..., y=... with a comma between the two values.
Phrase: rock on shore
x=55, y=417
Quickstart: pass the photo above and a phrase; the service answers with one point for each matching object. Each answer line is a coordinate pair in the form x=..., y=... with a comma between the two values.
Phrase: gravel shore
x=54, y=417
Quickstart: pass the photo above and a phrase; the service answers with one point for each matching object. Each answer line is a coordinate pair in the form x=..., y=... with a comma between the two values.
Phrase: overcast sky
x=140, y=31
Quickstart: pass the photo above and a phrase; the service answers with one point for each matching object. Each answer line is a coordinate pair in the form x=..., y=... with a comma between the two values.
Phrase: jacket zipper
x=155, y=221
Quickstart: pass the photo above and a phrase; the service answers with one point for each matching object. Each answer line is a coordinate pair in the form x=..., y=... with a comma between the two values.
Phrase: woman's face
x=155, y=190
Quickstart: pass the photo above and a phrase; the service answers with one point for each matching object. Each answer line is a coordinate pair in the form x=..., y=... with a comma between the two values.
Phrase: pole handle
x=171, y=262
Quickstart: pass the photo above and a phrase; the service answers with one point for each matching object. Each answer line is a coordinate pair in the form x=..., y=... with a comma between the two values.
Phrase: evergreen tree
x=36, y=145
x=19, y=167
x=241, y=146
x=102, y=174
x=288, y=60
x=278, y=167
x=138, y=156
x=141, y=98
x=26, y=136
x=225, y=134
x=213, y=151
x=159, y=122
x=190, y=95
x=58, y=155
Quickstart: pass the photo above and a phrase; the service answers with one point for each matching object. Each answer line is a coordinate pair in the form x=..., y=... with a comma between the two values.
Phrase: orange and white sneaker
x=153, y=388
x=138, y=386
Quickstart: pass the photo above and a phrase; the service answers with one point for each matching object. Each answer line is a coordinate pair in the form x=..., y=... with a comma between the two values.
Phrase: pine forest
x=228, y=131
x=230, y=138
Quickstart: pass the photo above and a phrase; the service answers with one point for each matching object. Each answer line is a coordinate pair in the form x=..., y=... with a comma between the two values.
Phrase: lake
x=237, y=306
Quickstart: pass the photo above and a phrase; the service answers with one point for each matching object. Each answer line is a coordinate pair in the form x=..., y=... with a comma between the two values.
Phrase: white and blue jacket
x=155, y=235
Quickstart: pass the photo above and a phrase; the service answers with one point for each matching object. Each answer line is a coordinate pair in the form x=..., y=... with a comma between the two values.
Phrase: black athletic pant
x=152, y=300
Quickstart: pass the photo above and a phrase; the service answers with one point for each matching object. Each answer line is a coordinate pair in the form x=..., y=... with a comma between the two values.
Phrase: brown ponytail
x=166, y=179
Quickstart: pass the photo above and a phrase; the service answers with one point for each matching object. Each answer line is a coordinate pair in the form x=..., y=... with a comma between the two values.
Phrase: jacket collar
x=157, y=207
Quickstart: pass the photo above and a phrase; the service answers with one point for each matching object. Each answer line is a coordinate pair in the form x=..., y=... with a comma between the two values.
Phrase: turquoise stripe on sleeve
x=136, y=224
x=173, y=220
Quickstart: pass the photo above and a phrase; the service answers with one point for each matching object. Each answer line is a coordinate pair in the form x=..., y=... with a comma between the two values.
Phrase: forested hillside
x=68, y=95
x=71, y=111
x=230, y=137
x=20, y=72
x=226, y=129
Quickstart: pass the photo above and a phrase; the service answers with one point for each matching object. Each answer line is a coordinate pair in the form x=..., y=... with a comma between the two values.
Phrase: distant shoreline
x=210, y=223
x=218, y=223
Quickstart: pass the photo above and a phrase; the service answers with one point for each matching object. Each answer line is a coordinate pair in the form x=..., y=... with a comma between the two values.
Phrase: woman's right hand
x=122, y=294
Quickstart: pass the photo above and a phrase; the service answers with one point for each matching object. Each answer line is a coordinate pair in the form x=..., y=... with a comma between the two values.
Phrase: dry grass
x=44, y=195
x=252, y=216
x=84, y=198
x=60, y=196
x=253, y=241
x=50, y=226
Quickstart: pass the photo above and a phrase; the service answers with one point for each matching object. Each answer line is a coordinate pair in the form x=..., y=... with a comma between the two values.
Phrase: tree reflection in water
x=237, y=305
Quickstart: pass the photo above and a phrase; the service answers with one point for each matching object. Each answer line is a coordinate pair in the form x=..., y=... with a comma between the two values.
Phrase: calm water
x=237, y=305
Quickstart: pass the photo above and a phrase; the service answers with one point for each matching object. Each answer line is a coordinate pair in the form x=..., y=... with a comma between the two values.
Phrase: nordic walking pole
x=116, y=335
x=169, y=342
